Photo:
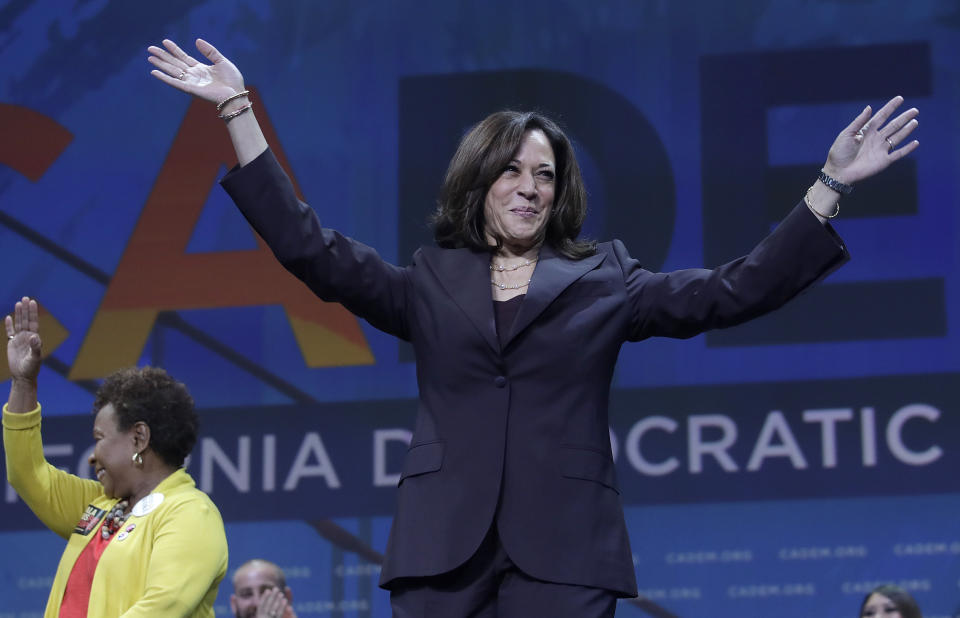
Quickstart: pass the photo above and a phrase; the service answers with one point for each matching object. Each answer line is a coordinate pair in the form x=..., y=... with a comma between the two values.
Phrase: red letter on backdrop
x=31, y=143
x=156, y=274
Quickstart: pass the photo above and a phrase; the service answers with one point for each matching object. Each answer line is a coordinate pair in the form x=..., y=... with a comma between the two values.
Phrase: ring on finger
x=887, y=139
x=182, y=74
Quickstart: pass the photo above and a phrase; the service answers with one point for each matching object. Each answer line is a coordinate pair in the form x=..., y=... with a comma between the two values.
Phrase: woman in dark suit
x=508, y=503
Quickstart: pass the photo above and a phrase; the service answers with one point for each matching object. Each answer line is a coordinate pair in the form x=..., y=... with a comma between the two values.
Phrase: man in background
x=260, y=591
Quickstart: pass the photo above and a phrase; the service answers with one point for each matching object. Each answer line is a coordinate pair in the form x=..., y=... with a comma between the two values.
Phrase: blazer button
x=500, y=381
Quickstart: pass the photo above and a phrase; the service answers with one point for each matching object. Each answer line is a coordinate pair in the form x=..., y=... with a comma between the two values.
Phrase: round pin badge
x=147, y=504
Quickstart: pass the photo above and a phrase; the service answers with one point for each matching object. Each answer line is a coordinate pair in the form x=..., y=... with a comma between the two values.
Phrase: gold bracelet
x=806, y=200
x=232, y=115
x=231, y=98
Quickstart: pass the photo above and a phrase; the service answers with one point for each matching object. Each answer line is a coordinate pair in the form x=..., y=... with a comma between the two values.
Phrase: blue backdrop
x=780, y=468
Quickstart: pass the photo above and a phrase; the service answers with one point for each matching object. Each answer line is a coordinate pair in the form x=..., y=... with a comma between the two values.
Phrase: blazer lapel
x=465, y=276
x=553, y=274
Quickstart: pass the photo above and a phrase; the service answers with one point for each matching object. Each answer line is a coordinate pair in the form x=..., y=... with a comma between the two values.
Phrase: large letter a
x=156, y=274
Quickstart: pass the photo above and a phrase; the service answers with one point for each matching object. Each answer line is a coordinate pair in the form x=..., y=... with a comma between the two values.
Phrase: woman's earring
x=137, y=460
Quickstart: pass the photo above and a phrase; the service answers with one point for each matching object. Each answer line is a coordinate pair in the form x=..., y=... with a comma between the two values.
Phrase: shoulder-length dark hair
x=901, y=599
x=152, y=396
x=481, y=157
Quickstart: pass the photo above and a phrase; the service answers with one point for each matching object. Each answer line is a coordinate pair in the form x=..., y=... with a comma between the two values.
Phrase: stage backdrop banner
x=780, y=468
x=895, y=436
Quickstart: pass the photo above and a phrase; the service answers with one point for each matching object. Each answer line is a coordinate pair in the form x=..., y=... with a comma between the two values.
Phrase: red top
x=76, y=596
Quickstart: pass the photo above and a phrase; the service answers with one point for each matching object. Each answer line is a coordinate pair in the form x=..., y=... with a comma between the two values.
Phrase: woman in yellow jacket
x=142, y=540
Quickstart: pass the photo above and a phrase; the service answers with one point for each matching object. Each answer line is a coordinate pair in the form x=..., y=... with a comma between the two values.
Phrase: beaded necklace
x=504, y=286
x=505, y=269
x=497, y=268
x=115, y=519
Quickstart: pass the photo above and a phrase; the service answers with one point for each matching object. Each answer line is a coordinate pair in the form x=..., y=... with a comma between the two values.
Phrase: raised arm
x=23, y=355
x=336, y=268
x=793, y=257
x=55, y=496
x=221, y=83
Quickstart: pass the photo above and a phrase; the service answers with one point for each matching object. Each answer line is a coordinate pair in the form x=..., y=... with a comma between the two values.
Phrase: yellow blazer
x=169, y=565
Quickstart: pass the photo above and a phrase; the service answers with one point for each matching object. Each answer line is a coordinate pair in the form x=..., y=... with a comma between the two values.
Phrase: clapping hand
x=274, y=604
x=870, y=144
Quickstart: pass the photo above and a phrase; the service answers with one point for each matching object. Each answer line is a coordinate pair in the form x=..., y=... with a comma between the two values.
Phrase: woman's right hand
x=23, y=345
x=212, y=82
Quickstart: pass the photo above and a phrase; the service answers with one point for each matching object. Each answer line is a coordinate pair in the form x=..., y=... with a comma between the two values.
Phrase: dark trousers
x=489, y=585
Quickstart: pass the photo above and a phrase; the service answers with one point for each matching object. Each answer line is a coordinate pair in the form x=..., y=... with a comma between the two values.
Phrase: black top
x=504, y=312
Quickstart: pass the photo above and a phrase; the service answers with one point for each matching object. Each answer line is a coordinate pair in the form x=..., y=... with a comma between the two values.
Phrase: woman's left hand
x=23, y=341
x=870, y=144
x=23, y=355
